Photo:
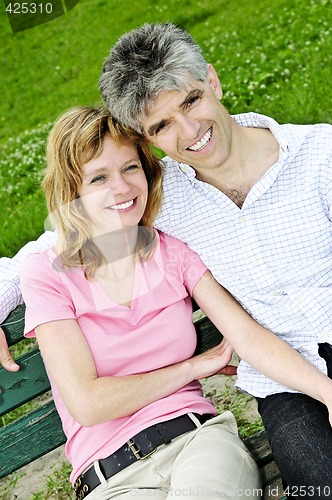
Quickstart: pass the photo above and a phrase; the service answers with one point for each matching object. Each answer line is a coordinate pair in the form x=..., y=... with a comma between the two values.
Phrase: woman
x=110, y=307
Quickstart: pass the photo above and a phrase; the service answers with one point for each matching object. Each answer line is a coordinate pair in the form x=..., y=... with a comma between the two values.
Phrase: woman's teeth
x=123, y=206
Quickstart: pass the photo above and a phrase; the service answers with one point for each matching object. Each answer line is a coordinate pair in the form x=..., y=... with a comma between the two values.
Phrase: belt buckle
x=137, y=452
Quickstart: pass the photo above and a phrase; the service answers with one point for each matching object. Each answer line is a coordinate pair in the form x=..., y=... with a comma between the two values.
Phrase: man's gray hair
x=144, y=62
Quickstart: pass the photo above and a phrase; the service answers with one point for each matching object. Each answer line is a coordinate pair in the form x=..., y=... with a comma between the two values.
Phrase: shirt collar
x=256, y=120
x=188, y=171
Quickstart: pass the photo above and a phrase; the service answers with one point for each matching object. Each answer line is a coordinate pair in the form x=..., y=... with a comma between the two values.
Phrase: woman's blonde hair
x=76, y=138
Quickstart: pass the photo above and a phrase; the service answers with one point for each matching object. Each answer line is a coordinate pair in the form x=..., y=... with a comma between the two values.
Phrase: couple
x=252, y=198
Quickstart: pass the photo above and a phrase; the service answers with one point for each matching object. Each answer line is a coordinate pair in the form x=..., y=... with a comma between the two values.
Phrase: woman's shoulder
x=44, y=257
x=173, y=247
x=166, y=241
x=42, y=263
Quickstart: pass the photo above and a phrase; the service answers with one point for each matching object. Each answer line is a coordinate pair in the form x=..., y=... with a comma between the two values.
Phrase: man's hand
x=5, y=358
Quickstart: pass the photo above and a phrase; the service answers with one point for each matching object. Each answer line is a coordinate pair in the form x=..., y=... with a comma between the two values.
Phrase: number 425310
x=29, y=8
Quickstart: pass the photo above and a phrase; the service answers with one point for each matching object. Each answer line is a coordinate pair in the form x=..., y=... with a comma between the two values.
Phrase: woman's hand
x=215, y=360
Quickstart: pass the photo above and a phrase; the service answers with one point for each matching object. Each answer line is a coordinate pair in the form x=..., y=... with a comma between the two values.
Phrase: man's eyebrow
x=153, y=129
x=193, y=93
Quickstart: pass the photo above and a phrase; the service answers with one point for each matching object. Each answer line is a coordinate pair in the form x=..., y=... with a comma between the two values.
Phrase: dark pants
x=301, y=439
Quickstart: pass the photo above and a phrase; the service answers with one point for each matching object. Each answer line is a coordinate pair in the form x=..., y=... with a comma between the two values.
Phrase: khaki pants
x=207, y=463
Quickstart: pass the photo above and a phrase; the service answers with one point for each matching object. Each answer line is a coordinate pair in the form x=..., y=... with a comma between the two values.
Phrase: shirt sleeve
x=10, y=291
x=45, y=295
x=182, y=263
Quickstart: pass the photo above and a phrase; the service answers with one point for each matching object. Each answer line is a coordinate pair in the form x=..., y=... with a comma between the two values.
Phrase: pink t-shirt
x=156, y=331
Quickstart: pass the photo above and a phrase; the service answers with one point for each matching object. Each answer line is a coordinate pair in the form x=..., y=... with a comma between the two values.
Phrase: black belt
x=139, y=447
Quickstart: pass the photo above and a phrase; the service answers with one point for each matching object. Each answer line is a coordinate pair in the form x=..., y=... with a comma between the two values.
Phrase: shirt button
x=242, y=219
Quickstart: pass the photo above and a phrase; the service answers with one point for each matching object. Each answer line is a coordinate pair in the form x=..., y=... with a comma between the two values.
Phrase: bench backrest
x=38, y=431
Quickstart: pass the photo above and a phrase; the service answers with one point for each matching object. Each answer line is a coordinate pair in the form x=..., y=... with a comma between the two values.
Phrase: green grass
x=57, y=485
x=272, y=56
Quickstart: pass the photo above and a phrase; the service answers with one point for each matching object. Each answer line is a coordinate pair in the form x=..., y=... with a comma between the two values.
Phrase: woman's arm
x=258, y=346
x=91, y=399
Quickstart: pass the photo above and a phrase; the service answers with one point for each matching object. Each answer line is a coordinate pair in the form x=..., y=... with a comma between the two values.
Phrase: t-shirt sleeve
x=10, y=291
x=44, y=293
x=182, y=262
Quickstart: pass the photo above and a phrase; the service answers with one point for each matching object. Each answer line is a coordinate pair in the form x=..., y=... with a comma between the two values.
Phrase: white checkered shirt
x=273, y=254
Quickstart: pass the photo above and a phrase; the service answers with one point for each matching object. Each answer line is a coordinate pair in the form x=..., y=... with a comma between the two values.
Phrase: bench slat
x=207, y=335
x=13, y=325
x=29, y=438
x=20, y=387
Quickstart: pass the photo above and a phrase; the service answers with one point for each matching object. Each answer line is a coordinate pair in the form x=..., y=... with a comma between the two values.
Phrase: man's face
x=191, y=125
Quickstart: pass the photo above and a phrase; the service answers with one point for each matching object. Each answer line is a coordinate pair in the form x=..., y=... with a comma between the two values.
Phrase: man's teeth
x=123, y=206
x=203, y=142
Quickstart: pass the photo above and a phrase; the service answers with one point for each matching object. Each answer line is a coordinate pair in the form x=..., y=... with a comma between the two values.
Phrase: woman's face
x=114, y=189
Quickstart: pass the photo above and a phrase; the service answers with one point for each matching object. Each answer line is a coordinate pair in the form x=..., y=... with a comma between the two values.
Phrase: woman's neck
x=118, y=246
x=117, y=275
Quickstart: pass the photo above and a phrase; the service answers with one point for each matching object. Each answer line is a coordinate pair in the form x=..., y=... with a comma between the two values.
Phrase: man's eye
x=160, y=128
x=192, y=101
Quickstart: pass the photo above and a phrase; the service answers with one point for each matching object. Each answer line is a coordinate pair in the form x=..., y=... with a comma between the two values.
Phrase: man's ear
x=214, y=81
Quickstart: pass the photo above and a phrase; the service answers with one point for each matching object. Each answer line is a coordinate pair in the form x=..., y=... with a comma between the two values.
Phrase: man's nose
x=188, y=127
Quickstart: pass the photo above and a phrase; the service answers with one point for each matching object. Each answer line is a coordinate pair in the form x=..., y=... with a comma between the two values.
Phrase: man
x=253, y=199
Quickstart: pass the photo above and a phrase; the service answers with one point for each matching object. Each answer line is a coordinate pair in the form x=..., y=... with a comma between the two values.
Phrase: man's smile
x=197, y=146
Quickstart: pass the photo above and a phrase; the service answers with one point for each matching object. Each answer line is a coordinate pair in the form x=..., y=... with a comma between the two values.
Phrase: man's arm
x=10, y=292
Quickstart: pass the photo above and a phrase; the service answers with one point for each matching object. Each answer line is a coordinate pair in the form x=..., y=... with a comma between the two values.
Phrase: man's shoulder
x=171, y=168
x=314, y=140
x=177, y=177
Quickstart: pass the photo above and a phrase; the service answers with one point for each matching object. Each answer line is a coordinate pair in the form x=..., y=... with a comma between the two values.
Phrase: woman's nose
x=119, y=186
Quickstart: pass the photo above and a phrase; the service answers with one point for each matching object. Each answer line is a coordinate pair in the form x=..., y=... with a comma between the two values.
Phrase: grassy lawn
x=272, y=56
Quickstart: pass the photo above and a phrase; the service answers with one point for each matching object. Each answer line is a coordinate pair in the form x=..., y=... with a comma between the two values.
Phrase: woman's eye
x=132, y=167
x=98, y=178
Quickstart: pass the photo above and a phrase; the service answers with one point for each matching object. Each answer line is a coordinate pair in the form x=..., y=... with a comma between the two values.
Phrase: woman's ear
x=214, y=81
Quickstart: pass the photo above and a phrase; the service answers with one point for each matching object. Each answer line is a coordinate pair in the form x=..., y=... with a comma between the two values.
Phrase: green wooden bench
x=39, y=431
